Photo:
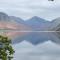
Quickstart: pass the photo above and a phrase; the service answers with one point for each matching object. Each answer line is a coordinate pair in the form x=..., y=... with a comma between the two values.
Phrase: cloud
x=28, y=8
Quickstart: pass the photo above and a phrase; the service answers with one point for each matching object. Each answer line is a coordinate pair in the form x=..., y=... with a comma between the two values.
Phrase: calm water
x=35, y=45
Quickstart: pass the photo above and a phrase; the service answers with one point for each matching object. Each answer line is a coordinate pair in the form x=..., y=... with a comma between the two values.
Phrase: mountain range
x=35, y=23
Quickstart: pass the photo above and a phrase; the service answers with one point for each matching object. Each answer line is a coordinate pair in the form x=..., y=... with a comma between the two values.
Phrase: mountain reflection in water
x=32, y=37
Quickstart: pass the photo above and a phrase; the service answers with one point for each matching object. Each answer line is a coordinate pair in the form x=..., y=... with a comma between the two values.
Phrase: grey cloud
x=28, y=8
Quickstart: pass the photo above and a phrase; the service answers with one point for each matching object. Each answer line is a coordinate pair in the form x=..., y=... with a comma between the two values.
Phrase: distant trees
x=6, y=49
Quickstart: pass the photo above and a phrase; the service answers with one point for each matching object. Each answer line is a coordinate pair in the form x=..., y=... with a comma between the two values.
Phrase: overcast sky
x=29, y=8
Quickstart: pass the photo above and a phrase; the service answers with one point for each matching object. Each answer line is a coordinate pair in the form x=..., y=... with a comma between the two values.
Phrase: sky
x=29, y=8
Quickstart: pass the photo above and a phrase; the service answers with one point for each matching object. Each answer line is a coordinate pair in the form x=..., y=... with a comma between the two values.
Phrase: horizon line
x=27, y=31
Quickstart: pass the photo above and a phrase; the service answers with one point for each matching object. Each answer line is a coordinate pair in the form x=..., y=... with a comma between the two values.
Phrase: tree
x=6, y=49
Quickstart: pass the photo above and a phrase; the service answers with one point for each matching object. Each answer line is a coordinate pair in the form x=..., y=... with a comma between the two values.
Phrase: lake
x=35, y=45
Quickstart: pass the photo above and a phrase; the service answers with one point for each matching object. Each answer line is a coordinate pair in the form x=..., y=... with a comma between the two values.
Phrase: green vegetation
x=6, y=49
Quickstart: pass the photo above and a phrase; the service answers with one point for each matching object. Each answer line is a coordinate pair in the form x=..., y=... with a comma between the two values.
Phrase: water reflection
x=42, y=48
x=32, y=37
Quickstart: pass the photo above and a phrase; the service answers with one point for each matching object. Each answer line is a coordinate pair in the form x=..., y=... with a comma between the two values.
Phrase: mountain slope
x=8, y=22
x=17, y=20
x=54, y=25
x=37, y=23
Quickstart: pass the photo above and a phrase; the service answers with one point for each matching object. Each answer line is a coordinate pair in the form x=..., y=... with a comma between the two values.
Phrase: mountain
x=4, y=17
x=17, y=20
x=55, y=24
x=57, y=28
x=10, y=22
x=37, y=23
